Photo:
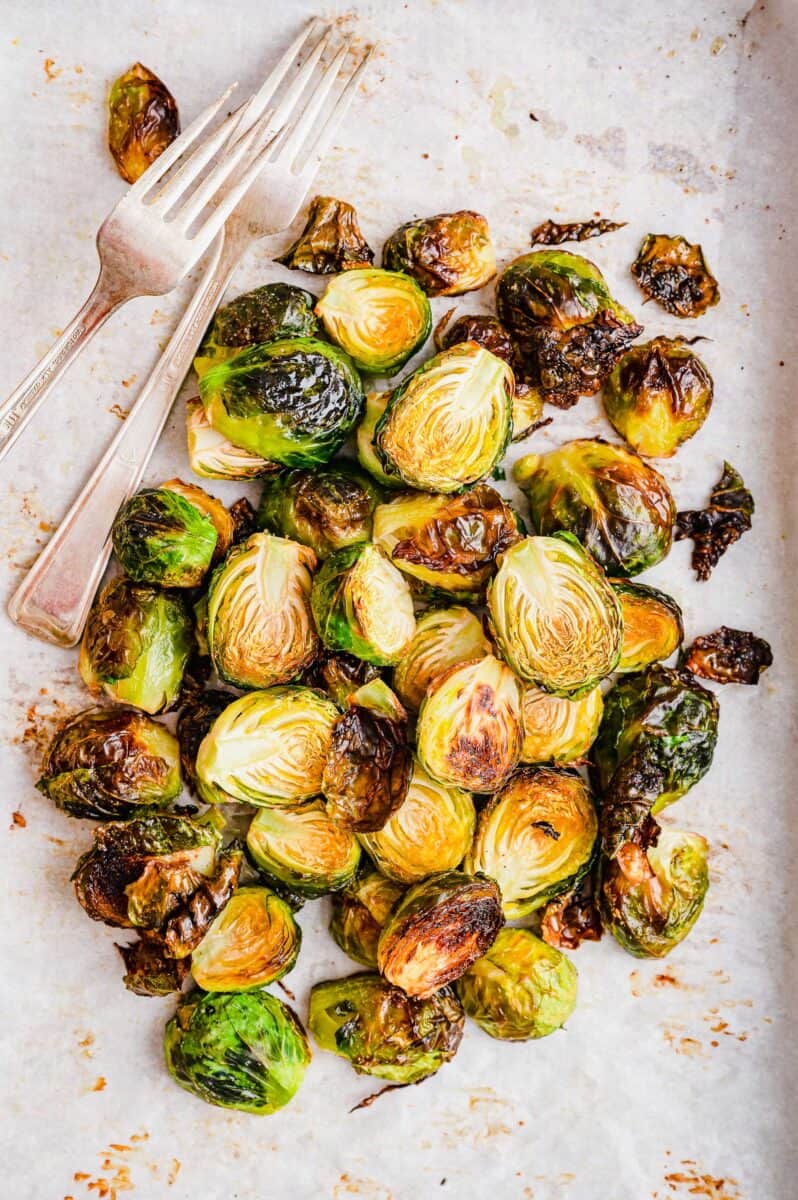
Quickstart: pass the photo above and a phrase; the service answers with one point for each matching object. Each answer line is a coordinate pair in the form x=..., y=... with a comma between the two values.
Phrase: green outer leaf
x=160, y=537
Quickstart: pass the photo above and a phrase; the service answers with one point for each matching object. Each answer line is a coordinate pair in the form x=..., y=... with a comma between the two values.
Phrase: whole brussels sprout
x=196, y=718
x=167, y=536
x=658, y=396
x=652, y=625
x=557, y=729
x=339, y=675
x=252, y=942
x=326, y=508
x=376, y=403
x=437, y=930
x=448, y=424
x=111, y=762
x=268, y=314
x=363, y=605
x=448, y=543
x=136, y=644
x=429, y=833
x=331, y=240
x=211, y=456
x=359, y=912
x=380, y=318
x=535, y=837
x=267, y=748
x=520, y=989
x=244, y=1050
x=448, y=254
x=292, y=401
x=259, y=624
x=469, y=731
x=303, y=848
x=383, y=1031
x=619, y=508
x=554, y=615
x=142, y=121
x=444, y=637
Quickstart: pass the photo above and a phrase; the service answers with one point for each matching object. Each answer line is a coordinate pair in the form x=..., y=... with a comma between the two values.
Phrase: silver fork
x=54, y=598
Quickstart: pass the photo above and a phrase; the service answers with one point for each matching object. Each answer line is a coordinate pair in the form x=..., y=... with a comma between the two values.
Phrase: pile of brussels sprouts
x=407, y=679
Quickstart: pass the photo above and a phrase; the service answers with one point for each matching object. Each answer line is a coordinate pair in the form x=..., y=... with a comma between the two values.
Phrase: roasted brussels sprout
x=148, y=971
x=383, y=1031
x=142, y=121
x=448, y=543
x=376, y=403
x=243, y=1050
x=359, y=912
x=554, y=616
x=652, y=625
x=448, y=254
x=474, y=327
x=729, y=656
x=437, y=930
x=267, y=747
x=111, y=762
x=196, y=718
x=557, y=729
x=303, y=848
x=550, y=233
x=619, y=507
x=362, y=605
x=164, y=536
x=574, y=917
x=292, y=401
x=253, y=941
x=136, y=644
x=331, y=240
x=267, y=314
x=444, y=637
x=339, y=675
x=527, y=411
x=429, y=833
x=714, y=528
x=673, y=272
x=535, y=837
x=380, y=318
x=367, y=772
x=520, y=989
x=327, y=508
x=211, y=456
x=469, y=731
x=259, y=624
x=658, y=396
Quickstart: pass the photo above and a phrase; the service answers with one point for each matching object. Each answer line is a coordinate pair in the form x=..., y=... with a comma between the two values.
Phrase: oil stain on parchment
x=120, y=1164
x=690, y=1180
x=610, y=145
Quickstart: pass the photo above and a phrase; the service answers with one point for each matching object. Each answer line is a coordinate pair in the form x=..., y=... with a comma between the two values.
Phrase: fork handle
x=54, y=598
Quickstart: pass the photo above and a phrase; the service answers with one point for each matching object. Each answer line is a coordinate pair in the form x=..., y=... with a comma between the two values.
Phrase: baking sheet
x=673, y=1079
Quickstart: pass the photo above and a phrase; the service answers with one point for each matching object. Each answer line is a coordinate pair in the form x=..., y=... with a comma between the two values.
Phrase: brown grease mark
x=50, y=71
x=86, y=1044
x=694, y=1183
x=663, y=979
x=46, y=527
x=174, y=1171
x=126, y=383
x=118, y=411
x=368, y=1188
x=17, y=820
x=99, y=1084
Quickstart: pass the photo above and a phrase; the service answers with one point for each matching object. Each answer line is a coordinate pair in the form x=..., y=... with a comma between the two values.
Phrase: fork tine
x=176, y=186
x=318, y=147
x=295, y=136
x=288, y=103
x=256, y=105
x=206, y=233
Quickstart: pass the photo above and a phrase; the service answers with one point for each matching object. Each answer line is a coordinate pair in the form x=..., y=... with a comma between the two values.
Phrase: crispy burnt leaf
x=673, y=272
x=574, y=918
x=474, y=327
x=142, y=121
x=550, y=233
x=148, y=971
x=729, y=656
x=567, y=364
x=185, y=928
x=331, y=240
x=244, y=519
x=467, y=538
x=716, y=527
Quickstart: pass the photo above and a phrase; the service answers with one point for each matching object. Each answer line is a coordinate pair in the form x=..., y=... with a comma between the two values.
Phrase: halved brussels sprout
x=267, y=314
x=619, y=508
x=652, y=625
x=267, y=747
x=554, y=615
x=380, y=318
x=376, y=403
x=142, y=121
x=382, y=1031
x=359, y=912
x=326, y=508
x=429, y=833
x=111, y=762
x=448, y=254
x=469, y=731
x=259, y=623
x=449, y=543
x=252, y=942
x=520, y=989
x=444, y=637
x=196, y=718
x=292, y=401
x=363, y=605
x=674, y=272
x=339, y=675
x=244, y=1050
x=367, y=772
x=136, y=644
x=535, y=837
x=331, y=240
x=211, y=456
x=168, y=535
x=448, y=424
x=527, y=410
x=437, y=930
x=557, y=729
x=303, y=848
x=658, y=396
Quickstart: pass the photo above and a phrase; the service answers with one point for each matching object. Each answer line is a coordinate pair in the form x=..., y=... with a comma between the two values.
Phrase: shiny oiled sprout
x=520, y=989
x=111, y=762
x=252, y=942
x=303, y=848
x=443, y=638
x=376, y=403
x=470, y=730
x=243, y=1050
x=136, y=644
x=197, y=715
x=362, y=605
x=652, y=625
x=447, y=254
x=267, y=314
x=267, y=747
x=212, y=456
x=259, y=624
x=535, y=838
x=673, y=272
x=554, y=615
x=170, y=535
x=339, y=675
x=382, y=1031
x=223, y=519
x=448, y=424
x=557, y=729
x=331, y=240
x=326, y=508
x=142, y=121
x=380, y=318
x=729, y=656
x=437, y=930
x=359, y=912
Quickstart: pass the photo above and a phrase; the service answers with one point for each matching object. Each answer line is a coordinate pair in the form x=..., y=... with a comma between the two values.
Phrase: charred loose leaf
x=148, y=970
x=142, y=121
x=339, y=675
x=573, y=918
x=673, y=272
x=715, y=528
x=729, y=656
x=447, y=254
x=331, y=240
x=244, y=520
x=550, y=233
x=485, y=331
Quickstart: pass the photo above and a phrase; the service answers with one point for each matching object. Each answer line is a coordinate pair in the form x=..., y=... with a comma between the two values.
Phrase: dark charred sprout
x=652, y=625
x=326, y=508
x=557, y=729
x=380, y=318
x=444, y=637
x=359, y=912
x=252, y=942
x=486, y=331
x=244, y=519
x=551, y=233
x=447, y=255
x=142, y=121
x=719, y=525
x=303, y=848
x=267, y=314
x=168, y=535
x=339, y=675
x=362, y=605
x=574, y=917
x=148, y=970
x=673, y=272
x=729, y=656
x=331, y=240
